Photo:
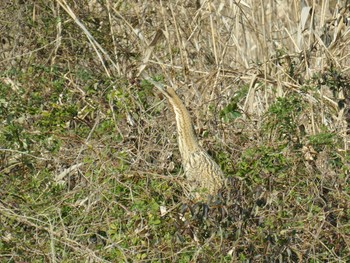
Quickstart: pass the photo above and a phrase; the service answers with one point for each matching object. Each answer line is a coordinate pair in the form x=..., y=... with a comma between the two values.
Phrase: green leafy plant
x=282, y=117
x=231, y=111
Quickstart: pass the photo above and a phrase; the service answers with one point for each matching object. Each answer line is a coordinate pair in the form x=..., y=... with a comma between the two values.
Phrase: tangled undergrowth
x=90, y=169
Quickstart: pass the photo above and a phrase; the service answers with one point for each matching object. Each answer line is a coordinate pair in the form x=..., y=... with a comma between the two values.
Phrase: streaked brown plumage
x=202, y=172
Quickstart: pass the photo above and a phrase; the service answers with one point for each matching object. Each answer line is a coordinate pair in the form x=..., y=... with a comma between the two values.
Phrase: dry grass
x=89, y=164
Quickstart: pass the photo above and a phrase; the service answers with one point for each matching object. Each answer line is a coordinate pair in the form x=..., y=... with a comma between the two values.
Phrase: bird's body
x=203, y=174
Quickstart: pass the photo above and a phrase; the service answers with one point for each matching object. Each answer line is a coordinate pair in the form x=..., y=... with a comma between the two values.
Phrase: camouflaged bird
x=204, y=176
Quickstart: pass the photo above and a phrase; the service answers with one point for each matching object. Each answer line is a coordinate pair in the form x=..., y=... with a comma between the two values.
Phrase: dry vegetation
x=90, y=170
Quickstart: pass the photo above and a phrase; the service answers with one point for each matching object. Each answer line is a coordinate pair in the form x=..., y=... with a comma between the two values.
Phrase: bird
x=204, y=177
